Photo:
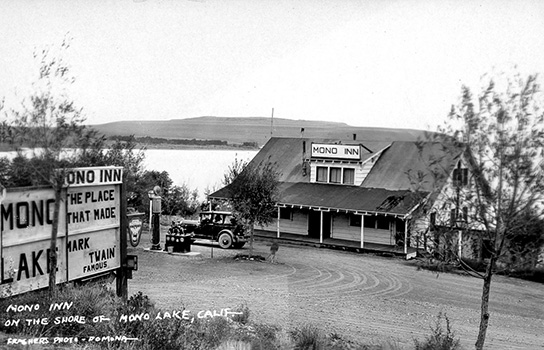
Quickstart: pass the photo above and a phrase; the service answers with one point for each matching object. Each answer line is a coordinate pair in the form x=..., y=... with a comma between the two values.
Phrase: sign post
x=121, y=282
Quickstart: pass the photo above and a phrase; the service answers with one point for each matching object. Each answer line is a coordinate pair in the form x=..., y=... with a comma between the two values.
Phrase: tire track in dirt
x=355, y=295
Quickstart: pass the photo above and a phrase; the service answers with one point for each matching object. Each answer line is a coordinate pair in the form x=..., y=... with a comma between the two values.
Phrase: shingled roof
x=387, y=188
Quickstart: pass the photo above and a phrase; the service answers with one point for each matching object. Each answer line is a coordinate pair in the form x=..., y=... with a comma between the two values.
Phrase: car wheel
x=225, y=241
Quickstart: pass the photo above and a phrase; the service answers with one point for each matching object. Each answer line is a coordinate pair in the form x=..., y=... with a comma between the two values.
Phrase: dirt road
x=363, y=297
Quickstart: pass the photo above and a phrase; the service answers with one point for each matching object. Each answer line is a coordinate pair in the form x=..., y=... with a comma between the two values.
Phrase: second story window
x=321, y=174
x=349, y=176
x=336, y=175
x=460, y=177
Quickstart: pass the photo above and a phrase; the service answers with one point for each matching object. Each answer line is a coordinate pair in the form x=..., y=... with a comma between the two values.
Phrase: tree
x=179, y=200
x=254, y=193
x=233, y=171
x=50, y=126
x=501, y=134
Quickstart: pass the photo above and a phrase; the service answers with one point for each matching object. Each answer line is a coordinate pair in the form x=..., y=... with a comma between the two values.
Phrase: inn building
x=364, y=195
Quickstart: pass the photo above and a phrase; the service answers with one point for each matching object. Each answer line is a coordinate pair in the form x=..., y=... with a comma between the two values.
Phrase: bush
x=435, y=265
x=308, y=338
x=244, y=317
x=135, y=305
x=170, y=333
x=473, y=264
x=439, y=339
x=535, y=275
x=86, y=303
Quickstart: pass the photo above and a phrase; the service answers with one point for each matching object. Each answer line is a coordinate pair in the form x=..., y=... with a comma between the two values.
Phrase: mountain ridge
x=237, y=130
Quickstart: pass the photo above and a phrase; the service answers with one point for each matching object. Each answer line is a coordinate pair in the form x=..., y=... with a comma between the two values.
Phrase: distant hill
x=237, y=130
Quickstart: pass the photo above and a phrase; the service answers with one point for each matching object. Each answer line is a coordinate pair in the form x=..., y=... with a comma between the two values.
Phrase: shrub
x=93, y=300
x=244, y=317
x=439, y=339
x=137, y=304
x=473, y=264
x=434, y=265
x=308, y=338
x=531, y=274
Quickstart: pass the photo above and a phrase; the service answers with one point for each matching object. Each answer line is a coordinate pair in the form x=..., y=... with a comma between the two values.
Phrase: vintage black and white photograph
x=272, y=175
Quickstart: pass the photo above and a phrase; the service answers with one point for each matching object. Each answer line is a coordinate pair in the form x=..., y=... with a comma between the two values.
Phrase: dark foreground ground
x=365, y=298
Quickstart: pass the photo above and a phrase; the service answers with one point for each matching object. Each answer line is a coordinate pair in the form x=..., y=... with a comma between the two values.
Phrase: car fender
x=226, y=231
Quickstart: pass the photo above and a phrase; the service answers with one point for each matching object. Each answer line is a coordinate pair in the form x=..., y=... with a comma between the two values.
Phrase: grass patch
x=236, y=331
x=247, y=257
x=440, y=338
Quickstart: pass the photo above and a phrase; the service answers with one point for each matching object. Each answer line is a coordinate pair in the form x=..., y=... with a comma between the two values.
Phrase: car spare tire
x=225, y=240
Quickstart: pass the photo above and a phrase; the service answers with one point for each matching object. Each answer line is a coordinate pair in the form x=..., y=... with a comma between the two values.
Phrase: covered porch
x=341, y=244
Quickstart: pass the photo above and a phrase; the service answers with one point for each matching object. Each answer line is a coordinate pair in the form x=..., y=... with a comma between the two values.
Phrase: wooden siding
x=361, y=170
x=373, y=235
x=342, y=230
x=298, y=225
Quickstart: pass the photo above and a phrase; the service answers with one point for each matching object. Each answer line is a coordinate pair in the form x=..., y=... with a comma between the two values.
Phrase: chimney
x=354, y=137
x=304, y=163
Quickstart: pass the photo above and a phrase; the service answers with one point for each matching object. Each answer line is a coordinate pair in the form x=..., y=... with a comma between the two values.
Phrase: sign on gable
x=334, y=151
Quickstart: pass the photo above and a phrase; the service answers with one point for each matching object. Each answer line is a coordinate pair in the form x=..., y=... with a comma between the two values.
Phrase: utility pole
x=272, y=123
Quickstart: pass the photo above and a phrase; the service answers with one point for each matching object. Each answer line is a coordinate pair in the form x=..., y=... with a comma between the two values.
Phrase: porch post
x=278, y=224
x=405, y=238
x=362, y=230
x=321, y=227
x=459, y=244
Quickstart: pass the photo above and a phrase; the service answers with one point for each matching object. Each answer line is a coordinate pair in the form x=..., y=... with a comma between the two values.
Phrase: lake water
x=199, y=169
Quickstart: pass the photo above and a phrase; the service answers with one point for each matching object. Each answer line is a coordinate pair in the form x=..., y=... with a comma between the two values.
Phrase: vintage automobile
x=218, y=226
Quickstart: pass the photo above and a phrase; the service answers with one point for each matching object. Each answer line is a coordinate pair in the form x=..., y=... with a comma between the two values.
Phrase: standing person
x=273, y=250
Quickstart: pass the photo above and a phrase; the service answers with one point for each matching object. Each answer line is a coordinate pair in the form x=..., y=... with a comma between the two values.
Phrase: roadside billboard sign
x=26, y=217
x=89, y=230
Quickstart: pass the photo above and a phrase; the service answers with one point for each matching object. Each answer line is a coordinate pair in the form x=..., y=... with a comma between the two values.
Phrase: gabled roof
x=400, y=164
x=288, y=154
x=390, y=186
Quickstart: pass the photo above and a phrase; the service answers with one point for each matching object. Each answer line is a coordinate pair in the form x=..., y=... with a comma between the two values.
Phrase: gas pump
x=154, y=215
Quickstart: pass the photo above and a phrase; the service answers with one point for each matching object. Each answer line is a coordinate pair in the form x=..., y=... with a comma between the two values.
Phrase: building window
x=355, y=220
x=321, y=174
x=460, y=177
x=370, y=221
x=349, y=176
x=383, y=223
x=286, y=214
x=433, y=221
x=336, y=175
x=465, y=214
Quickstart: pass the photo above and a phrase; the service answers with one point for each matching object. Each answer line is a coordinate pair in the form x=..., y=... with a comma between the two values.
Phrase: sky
x=375, y=63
